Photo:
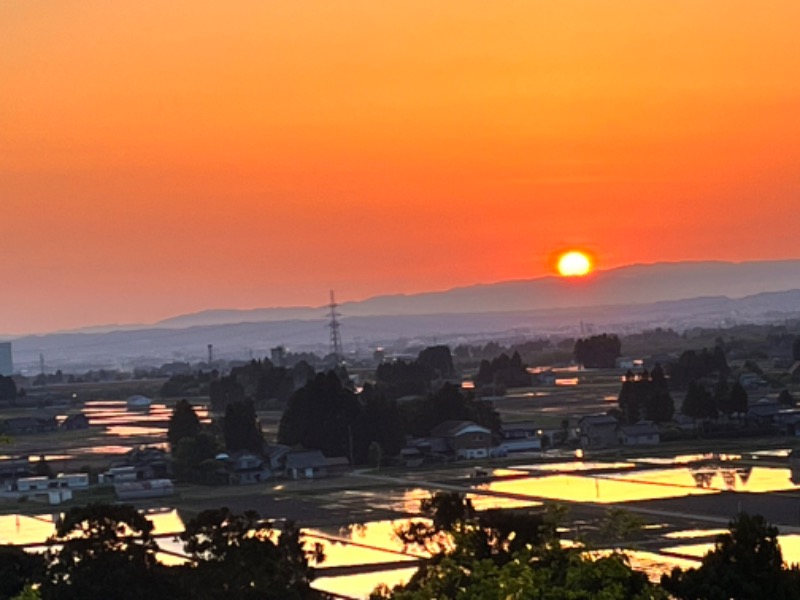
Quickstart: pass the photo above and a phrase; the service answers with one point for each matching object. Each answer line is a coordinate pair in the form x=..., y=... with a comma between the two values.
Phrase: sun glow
x=574, y=264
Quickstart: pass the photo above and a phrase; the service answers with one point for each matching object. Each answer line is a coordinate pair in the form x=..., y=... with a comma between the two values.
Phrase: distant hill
x=635, y=284
x=628, y=299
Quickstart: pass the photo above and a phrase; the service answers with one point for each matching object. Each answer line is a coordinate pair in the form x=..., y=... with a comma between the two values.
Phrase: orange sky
x=164, y=157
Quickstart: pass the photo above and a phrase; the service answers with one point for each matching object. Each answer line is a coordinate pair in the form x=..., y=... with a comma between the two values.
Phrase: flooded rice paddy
x=361, y=556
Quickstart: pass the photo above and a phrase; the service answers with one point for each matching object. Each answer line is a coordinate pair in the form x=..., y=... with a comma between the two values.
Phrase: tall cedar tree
x=321, y=415
x=241, y=428
x=698, y=402
x=646, y=396
x=183, y=423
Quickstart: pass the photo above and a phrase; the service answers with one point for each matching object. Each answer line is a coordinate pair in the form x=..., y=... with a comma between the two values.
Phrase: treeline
x=503, y=372
x=497, y=555
x=259, y=382
x=195, y=446
x=109, y=551
x=329, y=416
x=400, y=378
x=646, y=396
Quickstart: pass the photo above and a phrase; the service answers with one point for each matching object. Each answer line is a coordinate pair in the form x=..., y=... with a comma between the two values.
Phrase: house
x=148, y=462
x=118, y=475
x=275, y=457
x=520, y=437
x=246, y=468
x=312, y=464
x=14, y=468
x=73, y=480
x=751, y=381
x=598, y=431
x=33, y=484
x=643, y=433
x=764, y=414
x=75, y=422
x=136, y=490
x=464, y=439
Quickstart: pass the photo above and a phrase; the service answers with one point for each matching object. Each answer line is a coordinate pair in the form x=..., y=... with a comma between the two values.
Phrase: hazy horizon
x=581, y=291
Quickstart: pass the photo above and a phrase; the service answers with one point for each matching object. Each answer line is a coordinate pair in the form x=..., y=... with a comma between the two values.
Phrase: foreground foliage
x=109, y=552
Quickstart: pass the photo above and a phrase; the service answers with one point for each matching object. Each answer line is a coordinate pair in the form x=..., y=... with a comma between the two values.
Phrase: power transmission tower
x=336, y=340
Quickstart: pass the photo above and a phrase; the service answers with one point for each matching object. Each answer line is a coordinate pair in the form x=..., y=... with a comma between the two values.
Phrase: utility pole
x=333, y=324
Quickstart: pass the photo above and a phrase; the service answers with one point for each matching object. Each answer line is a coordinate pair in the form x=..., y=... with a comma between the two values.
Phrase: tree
x=745, y=564
x=796, y=349
x=598, y=351
x=494, y=534
x=786, y=398
x=183, y=423
x=643, y=396
x=438, y=360
x=193, y=459
x=375, y=454
x=378, y=422
x=106, y=551
x=18, y=569
x=503, y=371
x=237, y=556
x=548, y=573
x=739, y=400
x=321, y=415
x=8, y=389
x=224, y=391
x=241, y=428
x=722, y=396
x=698, y=402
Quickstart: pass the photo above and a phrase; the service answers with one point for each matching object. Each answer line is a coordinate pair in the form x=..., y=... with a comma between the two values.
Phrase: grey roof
x=597, y=420
x=453, y=428
x=305, y=459
x=274, y=450
x=765, y=409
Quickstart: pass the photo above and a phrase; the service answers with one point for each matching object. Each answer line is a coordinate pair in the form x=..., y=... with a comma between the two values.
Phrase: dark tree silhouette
x=8, y=389
x=104, y=551
x=645, y=396
x=237, y=556
x=438, y=360
x=698, y=402
x=505, y=371
x=598, y=351
x=19, y=568
x=241, y=428
x=746, y=564
x=224, y=391
x=786, y=398
x=739, y=400
x=321, y=415
x=183, y=423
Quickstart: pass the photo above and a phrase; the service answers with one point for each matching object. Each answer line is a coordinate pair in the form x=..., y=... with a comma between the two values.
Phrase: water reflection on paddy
x=361, y=585
x=655, y=564
x=576, y=466
x=599, y=489
x=717, y=478
x=682, y=459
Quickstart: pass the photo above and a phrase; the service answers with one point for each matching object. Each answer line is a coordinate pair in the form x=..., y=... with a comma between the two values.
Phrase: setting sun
x=574, y=264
